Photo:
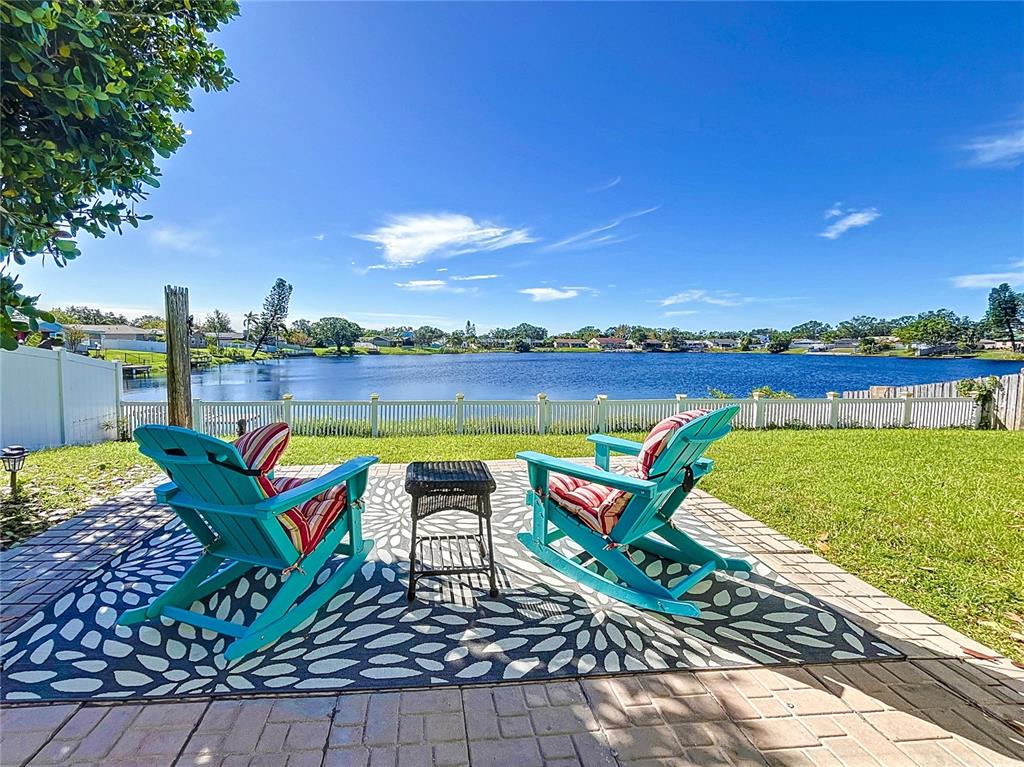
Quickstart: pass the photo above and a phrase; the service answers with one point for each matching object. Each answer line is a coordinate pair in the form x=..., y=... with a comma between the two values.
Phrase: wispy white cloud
x=554, y=294
x=1014, y=276
x=693, y=296
x=596, y=236
x=716, y=298
x=605, y=186
x=680, y=312
x=319, y=237
x=846, y=220
x=411, y=239
x=474, y=277
x=429, y=286
x=185, y=240
x=1002, y=148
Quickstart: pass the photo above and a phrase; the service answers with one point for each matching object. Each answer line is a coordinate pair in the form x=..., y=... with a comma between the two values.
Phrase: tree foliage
x=1006, y=312
x=90, y=93
x=217, y=322
x=337, y=331
x=275, y=312
x=87, y=315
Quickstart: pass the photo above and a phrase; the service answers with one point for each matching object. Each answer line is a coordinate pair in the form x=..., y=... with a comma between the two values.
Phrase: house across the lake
x=607, y=344
x=985, y=343
x=649, y=345
x=379, y=341
x=117, y=336
x=810, y=344
x=725, y=343
x=570, y=343
x=844, y=345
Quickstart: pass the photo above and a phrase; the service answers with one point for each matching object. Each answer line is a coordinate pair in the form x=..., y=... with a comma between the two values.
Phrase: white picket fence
x=52, y=397
x=1008, y=403
x=383, y=418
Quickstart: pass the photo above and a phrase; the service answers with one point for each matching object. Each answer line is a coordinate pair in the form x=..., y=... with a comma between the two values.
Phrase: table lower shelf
x=459, y=554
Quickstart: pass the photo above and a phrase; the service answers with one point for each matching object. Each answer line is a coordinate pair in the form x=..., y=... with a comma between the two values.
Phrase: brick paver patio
x=940, y=706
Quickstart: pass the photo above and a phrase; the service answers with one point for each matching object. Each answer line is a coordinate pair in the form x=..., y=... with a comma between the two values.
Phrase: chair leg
x=683, y=549
x=181, y=594
x=283, y=613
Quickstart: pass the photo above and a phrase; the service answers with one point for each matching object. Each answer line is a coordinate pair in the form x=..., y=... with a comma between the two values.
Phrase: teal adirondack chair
x=644, y=522
x=219, y=499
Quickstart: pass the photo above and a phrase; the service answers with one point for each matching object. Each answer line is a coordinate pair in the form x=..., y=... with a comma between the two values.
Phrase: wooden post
x=179, y=370
x=680, y=403
x=374, y=415
x=460, y=412
x=542, y=413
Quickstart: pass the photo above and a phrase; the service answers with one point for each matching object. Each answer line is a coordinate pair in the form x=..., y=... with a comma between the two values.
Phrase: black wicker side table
x=451, y=486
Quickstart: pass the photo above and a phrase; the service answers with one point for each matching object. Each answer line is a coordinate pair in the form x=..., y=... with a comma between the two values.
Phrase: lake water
x=559, y=375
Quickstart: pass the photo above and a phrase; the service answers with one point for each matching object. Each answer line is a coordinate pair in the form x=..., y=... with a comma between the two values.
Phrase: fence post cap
x=755, y=395
x=907, y=394
x=542, y=396
x=375, y=396
x=681, y=396
x=286, y=396
x=831, y=394
x=601, y=396
x=460, y=396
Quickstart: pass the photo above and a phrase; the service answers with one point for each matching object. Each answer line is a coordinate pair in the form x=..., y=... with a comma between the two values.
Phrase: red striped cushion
x=307, y=524
x=597, y=506
x=261, y=448
x=659, y=437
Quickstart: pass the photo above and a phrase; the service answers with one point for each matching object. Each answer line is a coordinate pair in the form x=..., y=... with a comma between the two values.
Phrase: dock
x=136, y=371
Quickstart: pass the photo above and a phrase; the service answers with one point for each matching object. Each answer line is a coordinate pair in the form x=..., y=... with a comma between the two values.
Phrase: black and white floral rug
x=542, y=625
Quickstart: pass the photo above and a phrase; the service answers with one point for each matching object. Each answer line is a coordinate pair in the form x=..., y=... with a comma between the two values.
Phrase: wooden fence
x=1008, y=404
x=383, y=418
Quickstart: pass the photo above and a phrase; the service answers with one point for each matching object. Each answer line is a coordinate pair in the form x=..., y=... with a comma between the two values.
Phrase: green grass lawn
x=935, y=518
x=158, y=361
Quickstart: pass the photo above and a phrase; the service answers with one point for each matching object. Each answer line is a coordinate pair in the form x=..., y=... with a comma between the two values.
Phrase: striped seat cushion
x=308, y=522
x=600, y=507
x=597, y=506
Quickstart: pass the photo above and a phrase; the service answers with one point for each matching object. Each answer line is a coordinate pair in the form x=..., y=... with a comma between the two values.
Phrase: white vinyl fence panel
x=51, y=397
x=380, y=418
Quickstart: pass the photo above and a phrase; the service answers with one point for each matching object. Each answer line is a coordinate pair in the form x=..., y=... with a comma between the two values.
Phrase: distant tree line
x=1004, y=319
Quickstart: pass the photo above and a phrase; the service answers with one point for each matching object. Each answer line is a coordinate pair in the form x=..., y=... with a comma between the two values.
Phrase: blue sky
x=697, y=165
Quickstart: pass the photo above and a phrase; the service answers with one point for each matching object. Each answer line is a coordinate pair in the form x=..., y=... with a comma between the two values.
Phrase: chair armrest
x=589, y=473
x=615, y=444
x=165, y=492
x=289, y=499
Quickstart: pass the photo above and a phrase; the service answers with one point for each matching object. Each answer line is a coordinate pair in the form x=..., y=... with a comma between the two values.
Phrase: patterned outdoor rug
x=542, y=625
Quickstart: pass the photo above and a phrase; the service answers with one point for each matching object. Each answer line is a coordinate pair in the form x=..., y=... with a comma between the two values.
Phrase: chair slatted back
x=684, y=448
x=188, y=458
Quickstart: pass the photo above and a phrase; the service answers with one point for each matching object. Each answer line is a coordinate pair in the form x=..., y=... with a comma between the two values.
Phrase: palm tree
x=249, y=322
